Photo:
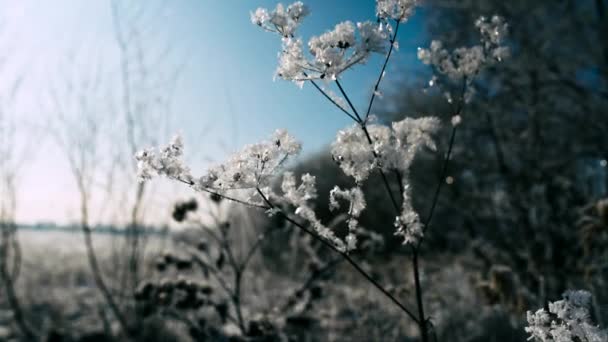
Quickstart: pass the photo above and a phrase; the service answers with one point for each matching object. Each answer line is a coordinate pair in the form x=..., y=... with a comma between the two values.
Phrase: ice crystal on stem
x=568, y=320
x=299, y=197
x=356, y=204
x=408, y=224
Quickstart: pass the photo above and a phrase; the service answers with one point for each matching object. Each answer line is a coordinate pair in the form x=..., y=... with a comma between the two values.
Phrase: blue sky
x=225, y=96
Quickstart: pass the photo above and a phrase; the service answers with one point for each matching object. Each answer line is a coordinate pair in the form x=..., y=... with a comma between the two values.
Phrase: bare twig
x=381, y=76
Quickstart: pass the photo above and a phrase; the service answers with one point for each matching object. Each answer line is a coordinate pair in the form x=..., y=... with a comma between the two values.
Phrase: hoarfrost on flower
x=568, y=319
x=353, y=153
x=339, y=49
x=392, y=148
x=416, y=133
x=400, y=10
x=331, y=53
x=167, y=161
x=462, y=62
x=284, y=21
x=493, y=31
x=254, y=166
x=467, y=62
x=248, y=170
x=373, y=37
x=292, y=62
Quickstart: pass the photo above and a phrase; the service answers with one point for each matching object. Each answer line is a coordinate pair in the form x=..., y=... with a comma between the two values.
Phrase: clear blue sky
x=226, y=85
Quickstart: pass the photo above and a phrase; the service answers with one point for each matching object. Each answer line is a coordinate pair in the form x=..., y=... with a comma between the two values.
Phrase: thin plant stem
x=444, y=169
x=333, y=101
x=346, y=257
x=236, y=299
x=311, y=280
x=255, y=247
x=214, y=272
x=211, y=192
x=422, y=323
x=349, y=102
x=446, y=160
x=415, y=250
x=381, y=76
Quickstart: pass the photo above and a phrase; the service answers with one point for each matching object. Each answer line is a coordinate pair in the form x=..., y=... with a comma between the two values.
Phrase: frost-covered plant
x=393, y=149
x=466, y=62
x=332, y=52
x=166, y=162
x=254, y=166
x=250, y=169
x=359, y=150
x=281, y=20
x=299, y=197
x=566, y=320
x=399, y=10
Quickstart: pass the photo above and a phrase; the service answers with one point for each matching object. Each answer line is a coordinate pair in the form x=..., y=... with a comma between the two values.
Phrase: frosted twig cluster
x=567, y=320
x=467, y=62
x=331, y=53
x=167, y=161
x=281, y=20
x=299, y=196
x=254, y=166
x=400, y=10
x=250, y=169
x=356, y=204
x=392, y=149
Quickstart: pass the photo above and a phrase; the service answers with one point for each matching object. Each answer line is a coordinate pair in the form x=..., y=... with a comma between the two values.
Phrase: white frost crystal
x=567, y=320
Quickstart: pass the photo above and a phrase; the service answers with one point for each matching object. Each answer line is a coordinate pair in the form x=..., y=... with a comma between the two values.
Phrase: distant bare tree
x=13, y=155
x=144, y=105
x=81, y=118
